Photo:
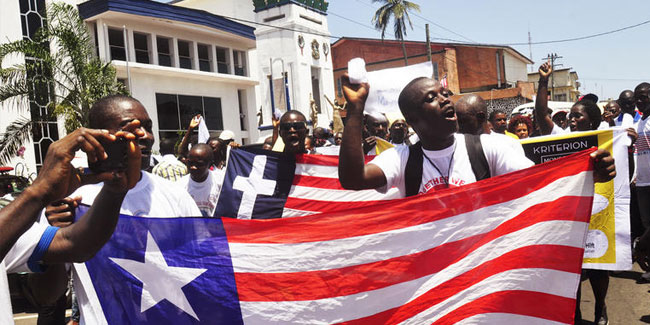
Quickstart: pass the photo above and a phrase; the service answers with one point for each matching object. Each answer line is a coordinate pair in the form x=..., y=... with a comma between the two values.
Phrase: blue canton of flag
x=144, y=275
x=256, y=184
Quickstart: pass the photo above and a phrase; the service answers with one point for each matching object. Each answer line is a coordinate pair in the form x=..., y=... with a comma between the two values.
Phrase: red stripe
x=400, y=213
x=318, y=182
x=327, y=206
x=547, y=257
x=324, y=160
x=353, y=279
x=520, y=302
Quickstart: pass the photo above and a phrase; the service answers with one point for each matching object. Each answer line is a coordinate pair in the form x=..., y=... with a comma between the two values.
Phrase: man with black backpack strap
x=441, y=159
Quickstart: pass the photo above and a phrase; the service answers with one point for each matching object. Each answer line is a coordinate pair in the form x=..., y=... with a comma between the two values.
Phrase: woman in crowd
x=520, y=125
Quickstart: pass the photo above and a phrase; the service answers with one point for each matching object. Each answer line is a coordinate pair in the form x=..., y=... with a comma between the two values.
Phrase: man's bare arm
x=353, y=172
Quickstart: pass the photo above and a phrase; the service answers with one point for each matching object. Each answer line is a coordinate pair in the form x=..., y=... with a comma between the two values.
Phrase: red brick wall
x=477, y=68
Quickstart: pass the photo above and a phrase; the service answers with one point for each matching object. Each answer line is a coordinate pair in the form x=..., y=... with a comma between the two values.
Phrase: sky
x=606, y=65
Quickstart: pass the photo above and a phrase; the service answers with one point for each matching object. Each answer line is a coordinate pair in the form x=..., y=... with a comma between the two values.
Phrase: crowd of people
x=434, y=144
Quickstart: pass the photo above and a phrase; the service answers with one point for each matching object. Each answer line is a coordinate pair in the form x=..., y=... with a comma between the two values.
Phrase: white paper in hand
x=204, y=134
x=357, y=71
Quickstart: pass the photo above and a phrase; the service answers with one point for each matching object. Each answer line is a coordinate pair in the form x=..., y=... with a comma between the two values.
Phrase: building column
x=175, y=54
x=102, y=40
x=154, y=49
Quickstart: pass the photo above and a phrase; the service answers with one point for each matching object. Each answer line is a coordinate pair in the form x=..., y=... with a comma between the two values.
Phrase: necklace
x=445, y=179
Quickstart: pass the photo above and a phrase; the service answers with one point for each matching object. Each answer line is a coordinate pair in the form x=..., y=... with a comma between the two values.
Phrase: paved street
x=628, y=302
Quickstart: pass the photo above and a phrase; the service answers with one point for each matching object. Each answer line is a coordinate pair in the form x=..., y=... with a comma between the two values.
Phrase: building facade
x=563, y=87
x=497, y=73
x=233, y=61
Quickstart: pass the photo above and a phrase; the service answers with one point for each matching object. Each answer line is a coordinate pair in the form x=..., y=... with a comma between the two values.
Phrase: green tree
x=60, y=71
x=398, y=10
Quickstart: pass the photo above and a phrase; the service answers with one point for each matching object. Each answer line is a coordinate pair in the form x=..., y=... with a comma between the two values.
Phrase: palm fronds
x=17, y=133
x=60, y=72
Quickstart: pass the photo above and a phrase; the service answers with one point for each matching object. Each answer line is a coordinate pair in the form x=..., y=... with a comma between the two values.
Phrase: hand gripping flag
x=506, y=250
x=262, y=184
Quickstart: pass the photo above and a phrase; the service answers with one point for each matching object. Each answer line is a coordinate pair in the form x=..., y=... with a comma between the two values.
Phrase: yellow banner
x=607, y=245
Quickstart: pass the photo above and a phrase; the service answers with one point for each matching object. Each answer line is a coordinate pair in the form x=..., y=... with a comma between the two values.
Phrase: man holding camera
x=151, y=197
x=29, y=246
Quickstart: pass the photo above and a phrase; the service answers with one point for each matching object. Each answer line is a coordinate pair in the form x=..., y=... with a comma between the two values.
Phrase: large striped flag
x=507, y=250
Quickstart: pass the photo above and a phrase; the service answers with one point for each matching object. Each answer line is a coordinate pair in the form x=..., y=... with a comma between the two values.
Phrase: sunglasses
x=295, y=125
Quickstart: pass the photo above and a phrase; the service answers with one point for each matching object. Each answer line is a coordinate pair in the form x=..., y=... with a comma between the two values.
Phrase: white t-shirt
x=626, y=120
x=501, y=159
x=642, y=153
x=509, y=141
x=558, y=130
x=15, y=261
x=206, y=193
x=152, y=197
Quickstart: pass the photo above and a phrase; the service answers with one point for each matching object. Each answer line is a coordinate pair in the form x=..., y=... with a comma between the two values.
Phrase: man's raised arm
x=542, y=117
x=354, y=174
x=80, y=241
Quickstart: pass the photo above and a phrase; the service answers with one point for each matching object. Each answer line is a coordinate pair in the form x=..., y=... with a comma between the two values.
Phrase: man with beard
x=398, y=132
x=499, y=121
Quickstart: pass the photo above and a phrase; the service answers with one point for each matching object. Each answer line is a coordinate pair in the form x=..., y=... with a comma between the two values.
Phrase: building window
x=239, y=61
x=176, y=111
x=222, y=60
x=116, y=44
x=560, y=97
x=205, y=57
x=45, y=128
x=141, y=46
x=164, y=51
x=184, y=54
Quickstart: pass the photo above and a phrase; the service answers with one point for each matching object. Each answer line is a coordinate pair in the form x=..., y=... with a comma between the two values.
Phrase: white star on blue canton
x=159, y=280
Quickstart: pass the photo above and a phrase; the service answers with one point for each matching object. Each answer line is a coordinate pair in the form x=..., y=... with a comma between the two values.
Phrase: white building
x=219, y=58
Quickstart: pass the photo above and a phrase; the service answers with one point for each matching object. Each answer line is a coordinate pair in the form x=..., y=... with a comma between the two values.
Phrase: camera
x=116, y=160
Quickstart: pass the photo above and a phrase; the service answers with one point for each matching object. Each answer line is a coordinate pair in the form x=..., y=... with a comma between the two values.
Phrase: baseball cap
x=227, y=135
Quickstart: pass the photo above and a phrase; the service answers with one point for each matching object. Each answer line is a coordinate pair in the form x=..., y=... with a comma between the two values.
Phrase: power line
x=352, y=21
x=584, y=37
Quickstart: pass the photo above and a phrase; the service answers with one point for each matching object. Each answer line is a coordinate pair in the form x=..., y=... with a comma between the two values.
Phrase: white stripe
x=89, y=306
x=340, y=309
x=500, y=318
x=344, y=308
x=317, y=170
x=287, y=213
x=320, y=194
x=276, y=258
x=559, y=283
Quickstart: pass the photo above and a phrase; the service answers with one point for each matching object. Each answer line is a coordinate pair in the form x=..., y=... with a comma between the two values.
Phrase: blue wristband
x=34, y=262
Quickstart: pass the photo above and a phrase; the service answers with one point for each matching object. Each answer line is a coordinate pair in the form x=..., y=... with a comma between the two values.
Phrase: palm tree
x=61, y=72
x=399, y=11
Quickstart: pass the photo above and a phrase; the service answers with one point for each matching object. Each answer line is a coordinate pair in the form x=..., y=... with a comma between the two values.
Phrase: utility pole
x=552, y=57
x=426, y=26
x=530, y=48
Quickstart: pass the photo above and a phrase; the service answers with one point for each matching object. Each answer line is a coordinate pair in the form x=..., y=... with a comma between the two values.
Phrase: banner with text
x=387, y=84
x=608, y=240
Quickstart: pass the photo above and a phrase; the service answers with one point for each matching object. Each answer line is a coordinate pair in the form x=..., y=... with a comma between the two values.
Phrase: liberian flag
x=443, y=81
x=507, y=250
x=261, y=184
